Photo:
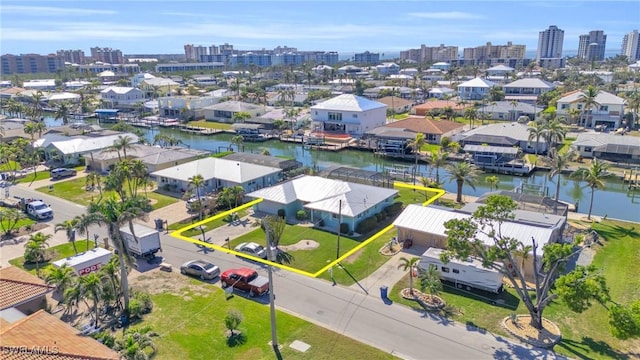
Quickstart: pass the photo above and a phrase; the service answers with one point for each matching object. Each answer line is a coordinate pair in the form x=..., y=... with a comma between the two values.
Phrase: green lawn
x=532, y=158
x=42, y=175
x=208, y=226
x=210, y=125
x=585, y=335
x=430, y=148
x=9, y=166
x=58, y=252
x=409, y=196
x=191, y=326
x=21, y=223
x=566, y=145
x=307, y=260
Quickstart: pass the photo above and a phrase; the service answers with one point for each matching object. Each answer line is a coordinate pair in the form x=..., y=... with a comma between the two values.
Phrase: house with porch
x=611, y=147
x=122, y=97
x=433, y=130
x=607, y=112
x=475, y=89
x=218, y=174
x=63, y=149
x=526, y=90
x=504, y=134
x=348, y=114
x=322, y=199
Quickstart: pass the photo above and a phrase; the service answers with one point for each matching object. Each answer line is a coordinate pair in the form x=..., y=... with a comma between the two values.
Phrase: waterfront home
x=500, y=159
x=64, y=149
x=608, y=110
x=433, y=130
x=396, y=104
x=158, y=86
x=8, y=93
x=76, y=85
x=610, y=147
x=217, y=174
x=54, y=98
x=438, y=106
x=348, y=114
x=526, y=90
x=155, y=158
x=186, y=107
x=137, y=79
x=321, y=199
x=424, y=226
x=225, y=111
x=440, y=92
x=474, y=89
x=501, y=134
x=505, y=110
x=390, y=141
x=264, y=160
x=122, y=97
x=13, y=128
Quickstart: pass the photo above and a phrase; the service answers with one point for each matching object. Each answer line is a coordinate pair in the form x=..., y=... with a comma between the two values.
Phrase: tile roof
x=425, y=126
x=348, y=102
x=43, y=336
x=394, y=101
x=18, y=286
x=439, y=104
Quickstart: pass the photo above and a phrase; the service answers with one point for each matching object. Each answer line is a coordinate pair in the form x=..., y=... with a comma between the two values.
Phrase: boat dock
x=199, y=130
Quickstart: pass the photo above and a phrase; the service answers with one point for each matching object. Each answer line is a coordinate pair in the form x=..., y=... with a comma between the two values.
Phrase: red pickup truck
x=246, y=280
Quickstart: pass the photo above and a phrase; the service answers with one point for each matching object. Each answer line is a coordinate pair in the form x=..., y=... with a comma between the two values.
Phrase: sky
x=162, y=26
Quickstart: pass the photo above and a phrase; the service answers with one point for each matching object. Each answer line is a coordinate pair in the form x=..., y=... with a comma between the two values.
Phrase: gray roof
x=213, y=168
x=82, y=144
x=603, y=97
x=533, y=218
x=233, y=106
x=491, y=149
x=598, y=139
x=264, y=160
x=348, y=102
x=506, y=107
x=530, y=83
x=388, y=132
x=512, y=130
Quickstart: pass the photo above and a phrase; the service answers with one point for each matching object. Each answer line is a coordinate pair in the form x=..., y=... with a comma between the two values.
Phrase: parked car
x=253, y=249
x=203, y=269
x=60, y=173
x=246, y=280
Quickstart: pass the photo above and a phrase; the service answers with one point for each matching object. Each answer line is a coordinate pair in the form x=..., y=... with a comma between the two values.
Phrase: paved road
x=393, y=328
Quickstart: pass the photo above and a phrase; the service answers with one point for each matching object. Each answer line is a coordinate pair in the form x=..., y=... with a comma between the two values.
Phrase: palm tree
x=471, y=114
x=109, y=272
x=29, y=129
x=557, y=163
x=197, y=182
x=594, y=176
x=554, y=132
x=36, y=249
x=536, y=131
x=69, y=227
x=408, y=264
x=492, y=181
x=463, y=172
x=514, y=103
x=83, y=222
x=63, y=112
x=633, y=104
x=36, y=105
x=416, y=144
x=61, y=277
x=438, y=159
x=237, y=141
x=91, y=285
x=430, y=280
x=122, y=143
x=588, y=99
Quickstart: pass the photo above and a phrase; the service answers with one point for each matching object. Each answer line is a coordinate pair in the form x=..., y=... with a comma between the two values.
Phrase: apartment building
x=430, y=53
x=550, y=44
x=367, y=58
x=591, y=46
x=107, y=55
x=72, y=56
x=490, y=51
x=30, y=63
x=631, y=46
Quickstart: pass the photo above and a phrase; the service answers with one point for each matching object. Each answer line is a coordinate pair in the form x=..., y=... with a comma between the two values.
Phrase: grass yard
x=429, y=148
x=307, y=260
x=208, y=226
x=21, y=223
x=586, y=335
x=210, y=125
x=9, y=166
x=409, y=196
x=190, y=323
x=566, y=145
x=58, y=252
x=42, y=175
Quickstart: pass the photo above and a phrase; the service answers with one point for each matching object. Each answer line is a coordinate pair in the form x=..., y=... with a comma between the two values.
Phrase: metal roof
x=602, y=98
x=348, y=102
x=530, y=83
x=491, y=149
x=264, y=160
x=213, y=168
x=477, y=83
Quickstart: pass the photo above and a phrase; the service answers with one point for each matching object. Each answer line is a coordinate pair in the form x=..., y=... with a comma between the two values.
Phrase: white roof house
x=475, y=89
x=527, y=89
x=608, y=111
x=40, y=84
x=348, y=114
x=63, y=96
x=71, y=148
x=348, y=102
x=499, y=70
x=122, y=95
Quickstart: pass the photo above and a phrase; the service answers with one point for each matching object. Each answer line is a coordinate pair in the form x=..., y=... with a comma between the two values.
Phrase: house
x=225, y=111
x=44, y=336
x=348, y=114
x=22, y=291
x=425, y=227
x=609, y=147
x=433, y=75
x=264, y=160
x=506, y=110
x=156, y=86
x=322, y=198
x=441, y=66
x=475, y=89
x=299, y=99
x=54, y=98
x=440, y=93
x=218, y=174
x=430, y=107
x=69, y=149
x=76, y=85
x=390, y=141
x=608, y=111
x=500, y=71
x=526, y=90
x=509, y=135
x=396, y=104
x=137, y=79
x=501, y=159
x=186, y=107
x=13, y=129
x=40, y=84
x=388, y=68
x=433, y=130
x=122, y=97
x=155, y=158
x=8, y=93
x=205, y=80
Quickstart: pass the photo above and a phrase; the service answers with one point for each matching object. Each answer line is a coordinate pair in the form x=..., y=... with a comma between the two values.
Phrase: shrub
x=367, y=225
x=145, y=302
x=281, y=213
x=381, y=216
x=301, y=215
x=393, y=209
x=344, y=228
x=135, y=308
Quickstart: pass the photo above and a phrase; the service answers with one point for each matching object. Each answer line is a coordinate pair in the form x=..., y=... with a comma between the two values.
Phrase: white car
x=253, y=249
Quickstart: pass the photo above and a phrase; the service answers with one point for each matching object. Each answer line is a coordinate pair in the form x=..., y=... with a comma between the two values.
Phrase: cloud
x=53, y=11
x=450, y=15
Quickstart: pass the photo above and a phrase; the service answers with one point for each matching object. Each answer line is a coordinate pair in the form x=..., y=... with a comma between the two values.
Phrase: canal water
x=615, y=201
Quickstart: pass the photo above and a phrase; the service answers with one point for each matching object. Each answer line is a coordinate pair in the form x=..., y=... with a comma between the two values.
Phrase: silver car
x=204, y=270
x=253, y=249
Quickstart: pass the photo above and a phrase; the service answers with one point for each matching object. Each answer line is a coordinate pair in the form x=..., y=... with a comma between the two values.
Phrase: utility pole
x=339, y=228
x=271, y=255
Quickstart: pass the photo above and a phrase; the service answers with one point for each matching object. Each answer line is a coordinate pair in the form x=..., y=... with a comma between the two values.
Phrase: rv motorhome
x=468, y=274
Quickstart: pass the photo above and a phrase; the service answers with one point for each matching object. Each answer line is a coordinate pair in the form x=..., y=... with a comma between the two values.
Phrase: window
x=334, y=116
x=587, y=149
x=445, y=269
x=564, y=106
x=355, y=116
x=456, y=271
x=579, y=106
x=335, y=216
x=604, y=108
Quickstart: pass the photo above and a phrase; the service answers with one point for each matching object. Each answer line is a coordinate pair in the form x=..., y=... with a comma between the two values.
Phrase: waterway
x=615, y=201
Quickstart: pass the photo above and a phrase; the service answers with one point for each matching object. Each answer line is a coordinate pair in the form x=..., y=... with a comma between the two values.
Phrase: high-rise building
x=72, y=56
x=490, y=51
x=30, y=63
x=194, y=53
x=550, y=43
x=366, y=58
x=631, y=46
x=591, y=46
x=431, y=53
x=107, y=55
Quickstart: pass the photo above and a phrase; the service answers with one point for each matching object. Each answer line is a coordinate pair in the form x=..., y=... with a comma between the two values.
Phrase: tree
x=430, y=280
x=471, y=114
x=554, y=132
x=588, y=98
x=36, y=249
x=241, y=116
x=408, y=264
x=232, y=320
x=197, y=182
x=624, y=321
x=416, y=144
x=536, y=131
x=237, y=140
x=438, y=159
x=10, y=219
x=461, y=173
x=492, y=181
x=36, y=105
x=91, y=285
x=594, y=176
x=557, y=163
x=122, y=143
x=109, y=272
x=61, y=277
x=482, y=235
x=63, y=112
x=273, y=227
x=69, y=228
x=633, y=104
x=580, y=286
x=514, y=104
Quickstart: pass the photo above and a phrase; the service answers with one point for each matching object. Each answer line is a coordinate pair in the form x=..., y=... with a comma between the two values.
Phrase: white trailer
x=87, y=262
x=146, y=242
x=468, y=274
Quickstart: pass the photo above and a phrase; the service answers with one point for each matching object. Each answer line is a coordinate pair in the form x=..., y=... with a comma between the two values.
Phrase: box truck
x=146, y=242
x=86, y=262
x=467, y=273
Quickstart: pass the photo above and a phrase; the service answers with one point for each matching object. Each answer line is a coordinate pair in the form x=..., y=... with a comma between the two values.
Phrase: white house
x=500, y=70
x=440, y=92
x=120, y=96
x=348, y=114
x=608, y=111
x=321, y=199
x=526, y=90
x=441, y=65
x=40, y=84
x=218, y=174
x=185, y=106
x=224, y=111
x=388, y=68
x=68, y=150
x=137, y=79
x=475, y=89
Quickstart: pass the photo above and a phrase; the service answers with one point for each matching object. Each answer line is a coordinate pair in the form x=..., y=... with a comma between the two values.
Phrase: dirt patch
x=300, y=245
x=162, y=282
x=428, y=301
x=522, y=329
x=355, y=256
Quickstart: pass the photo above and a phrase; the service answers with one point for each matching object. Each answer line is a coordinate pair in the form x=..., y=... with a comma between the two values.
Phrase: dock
x=199, y=130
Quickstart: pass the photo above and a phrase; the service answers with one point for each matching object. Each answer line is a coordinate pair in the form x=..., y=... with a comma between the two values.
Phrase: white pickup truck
x=36, y=209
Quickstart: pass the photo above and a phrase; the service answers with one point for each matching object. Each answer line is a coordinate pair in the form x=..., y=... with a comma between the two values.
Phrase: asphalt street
x=392, y=328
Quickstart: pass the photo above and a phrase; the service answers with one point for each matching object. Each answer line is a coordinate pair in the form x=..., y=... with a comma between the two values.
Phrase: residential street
x=393, y=328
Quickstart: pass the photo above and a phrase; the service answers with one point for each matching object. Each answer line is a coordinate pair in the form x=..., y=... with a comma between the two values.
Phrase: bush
x=135, y=308
x=302, y=215
x=145, y=302
x=381, y=216
x=281, y=213
x=344, y=228
x=367, y=225
x=393, y=209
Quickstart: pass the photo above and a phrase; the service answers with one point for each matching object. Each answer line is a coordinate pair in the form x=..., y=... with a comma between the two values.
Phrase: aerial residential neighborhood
x=465, y=194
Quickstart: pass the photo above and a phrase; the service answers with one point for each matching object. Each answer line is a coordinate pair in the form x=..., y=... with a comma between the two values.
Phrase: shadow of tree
x=236, y=339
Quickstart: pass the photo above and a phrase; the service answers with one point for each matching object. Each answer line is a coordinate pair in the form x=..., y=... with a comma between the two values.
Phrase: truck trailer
x=145, y=243
x=87, y=262
x=466, y=274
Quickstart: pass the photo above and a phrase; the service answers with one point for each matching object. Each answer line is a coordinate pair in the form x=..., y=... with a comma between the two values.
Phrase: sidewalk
x=11, y=249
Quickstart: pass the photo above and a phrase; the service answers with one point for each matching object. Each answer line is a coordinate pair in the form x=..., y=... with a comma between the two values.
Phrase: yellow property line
x=178, y=233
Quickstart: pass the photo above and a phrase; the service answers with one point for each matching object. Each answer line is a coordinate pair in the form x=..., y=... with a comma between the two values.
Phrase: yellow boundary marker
x=178, y=233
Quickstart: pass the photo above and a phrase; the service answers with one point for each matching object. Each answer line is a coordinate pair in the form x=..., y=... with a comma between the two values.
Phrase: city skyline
x=143, y=27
